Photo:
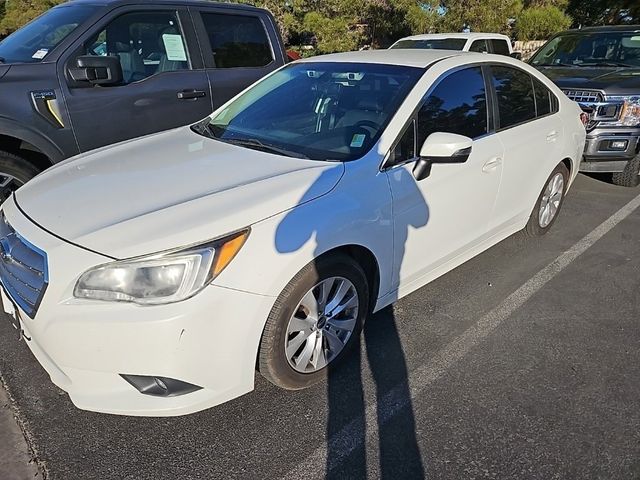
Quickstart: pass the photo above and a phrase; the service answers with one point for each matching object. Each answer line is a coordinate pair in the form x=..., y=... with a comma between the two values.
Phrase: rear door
x=239, y=47
x=527, y=115
x=164, y=86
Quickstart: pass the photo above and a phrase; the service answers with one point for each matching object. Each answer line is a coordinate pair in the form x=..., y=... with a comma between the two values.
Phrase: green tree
x=539, y=23
x=19, y=12
x=479, y=15
x=604, y=12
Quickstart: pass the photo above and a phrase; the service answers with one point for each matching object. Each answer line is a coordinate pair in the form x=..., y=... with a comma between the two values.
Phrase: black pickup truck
x=599, y=67
x=89, y=73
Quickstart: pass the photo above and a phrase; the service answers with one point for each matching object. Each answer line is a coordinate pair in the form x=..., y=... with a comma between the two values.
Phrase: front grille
x=584, y=96
x=23, y=269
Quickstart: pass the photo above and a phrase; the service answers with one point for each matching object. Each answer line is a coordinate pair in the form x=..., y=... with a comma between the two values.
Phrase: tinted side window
x=514, y=89
x=458, y=104
x=405, y=149
x=146, y=43
x=544, y=105
x=479, y=46
x=237, y=40
x=501, y=47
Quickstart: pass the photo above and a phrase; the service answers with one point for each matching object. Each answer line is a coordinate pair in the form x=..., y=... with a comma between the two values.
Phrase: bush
x=539, y=23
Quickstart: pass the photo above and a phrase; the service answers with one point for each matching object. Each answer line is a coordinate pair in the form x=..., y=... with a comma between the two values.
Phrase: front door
x=164, y=84
x=444, y=215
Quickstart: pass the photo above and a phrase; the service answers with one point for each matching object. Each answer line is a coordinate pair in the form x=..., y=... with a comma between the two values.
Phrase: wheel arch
x=28, y=144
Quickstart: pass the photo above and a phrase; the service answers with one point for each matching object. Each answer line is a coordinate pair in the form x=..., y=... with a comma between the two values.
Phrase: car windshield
x=606, y=49
x=436, y=44
x=33, y=42
x=321, y=111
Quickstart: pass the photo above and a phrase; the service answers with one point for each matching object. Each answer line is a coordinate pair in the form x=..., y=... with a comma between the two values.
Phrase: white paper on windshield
x=40, y=54
x=357, y=140
x=174, y=47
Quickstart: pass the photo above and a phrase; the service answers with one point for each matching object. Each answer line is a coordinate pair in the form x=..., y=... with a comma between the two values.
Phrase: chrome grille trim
x=584, y=96
x=23, y=269
x=594, y=104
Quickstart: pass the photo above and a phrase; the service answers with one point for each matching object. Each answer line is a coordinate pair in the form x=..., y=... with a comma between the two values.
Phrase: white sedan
x=153, y=276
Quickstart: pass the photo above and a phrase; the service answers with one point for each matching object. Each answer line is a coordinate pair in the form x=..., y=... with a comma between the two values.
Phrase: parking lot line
x=347, y=440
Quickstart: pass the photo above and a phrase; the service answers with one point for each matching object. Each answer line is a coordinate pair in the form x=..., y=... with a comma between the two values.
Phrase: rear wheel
x=15, y=171
x=549, y=202
x=314, y=322
x=629, y=177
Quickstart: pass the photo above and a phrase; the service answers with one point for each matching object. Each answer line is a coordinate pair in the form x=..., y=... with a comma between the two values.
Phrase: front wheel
x=314, y=322
x=15, y=171
x=549, y=202
x=629, y=177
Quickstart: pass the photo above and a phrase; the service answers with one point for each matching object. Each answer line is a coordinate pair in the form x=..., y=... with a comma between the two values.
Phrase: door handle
x=491, y=165
x=189, y=94
x=551, y=136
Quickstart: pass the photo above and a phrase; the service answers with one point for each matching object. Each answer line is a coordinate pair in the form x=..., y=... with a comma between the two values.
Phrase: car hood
x=168, y=190
x=613, y=81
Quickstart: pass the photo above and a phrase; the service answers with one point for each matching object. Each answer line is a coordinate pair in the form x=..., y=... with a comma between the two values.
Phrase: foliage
x=18, y=12
x=537, y=23
x=480, y=15
x=603, y=12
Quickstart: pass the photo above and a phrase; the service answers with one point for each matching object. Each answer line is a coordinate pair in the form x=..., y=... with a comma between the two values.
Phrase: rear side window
x=237, y=40
x=546, y=102
x=501, y=47
x=516, y=99
x=479, y=46
x=458, y=104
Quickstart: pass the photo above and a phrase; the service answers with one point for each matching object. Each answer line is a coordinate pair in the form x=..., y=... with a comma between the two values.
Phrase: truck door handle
x=491, y=165
x=551, y=136
x=189, y=94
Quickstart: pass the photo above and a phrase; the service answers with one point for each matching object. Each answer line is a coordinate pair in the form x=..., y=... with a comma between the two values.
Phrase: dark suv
x=599, y=68
x=89, y=73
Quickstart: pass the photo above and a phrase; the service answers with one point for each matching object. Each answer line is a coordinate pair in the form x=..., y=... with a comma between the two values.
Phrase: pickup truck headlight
x=630, y=112
x=162, y=278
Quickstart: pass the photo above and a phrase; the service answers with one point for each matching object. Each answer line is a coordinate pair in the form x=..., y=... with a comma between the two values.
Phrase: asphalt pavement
x=523, y=363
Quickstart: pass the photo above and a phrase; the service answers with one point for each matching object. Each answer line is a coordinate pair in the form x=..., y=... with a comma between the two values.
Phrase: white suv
x=467, y=42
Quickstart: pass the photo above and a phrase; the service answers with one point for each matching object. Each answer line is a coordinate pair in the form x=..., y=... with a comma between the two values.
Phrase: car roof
x=607, y=28
x=466, y=36
x=406, y=57
x=115, y=3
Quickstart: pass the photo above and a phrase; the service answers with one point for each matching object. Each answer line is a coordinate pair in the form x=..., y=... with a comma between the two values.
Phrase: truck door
x=239, y=47
x=164, y=84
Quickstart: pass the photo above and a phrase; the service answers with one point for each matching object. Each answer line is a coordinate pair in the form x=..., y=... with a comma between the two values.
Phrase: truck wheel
x=549, y=202
x=629, y=176
x=315, y=321
x=15, y=171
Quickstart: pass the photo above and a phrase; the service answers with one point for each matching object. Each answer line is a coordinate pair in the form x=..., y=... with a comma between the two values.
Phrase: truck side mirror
x=441, y=147
x=97, y=70
x=516, y=55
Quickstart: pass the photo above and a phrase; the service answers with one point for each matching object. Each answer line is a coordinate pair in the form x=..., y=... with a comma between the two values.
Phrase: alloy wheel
x=550, y=202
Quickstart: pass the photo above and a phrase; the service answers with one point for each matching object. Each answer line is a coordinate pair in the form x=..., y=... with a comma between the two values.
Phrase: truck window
x=501, y=47
x=33, y=42
x=431, y=43
x=479, y=46
x=146, y=43
x=237, y=40
x=514, y=90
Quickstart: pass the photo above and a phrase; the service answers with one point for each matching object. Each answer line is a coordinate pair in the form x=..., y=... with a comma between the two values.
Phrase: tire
x=629, y=176
x=16, y=170
x=539, y=224
x=277, y=364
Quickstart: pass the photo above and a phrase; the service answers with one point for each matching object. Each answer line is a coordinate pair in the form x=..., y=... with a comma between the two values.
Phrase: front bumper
x=599, y=156
x=209, y=340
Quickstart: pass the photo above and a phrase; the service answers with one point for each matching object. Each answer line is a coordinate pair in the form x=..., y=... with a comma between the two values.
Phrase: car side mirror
x=441, y=147
x=516, y=55
x=97, y=70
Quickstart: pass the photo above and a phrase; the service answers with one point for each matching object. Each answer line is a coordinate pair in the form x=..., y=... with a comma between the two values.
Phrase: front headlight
x=629, y=112
x=161, y=278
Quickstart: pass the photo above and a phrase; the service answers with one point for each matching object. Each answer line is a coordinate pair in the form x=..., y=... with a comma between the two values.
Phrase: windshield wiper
x=265, y=147
x=608, y=63
x=555, y=65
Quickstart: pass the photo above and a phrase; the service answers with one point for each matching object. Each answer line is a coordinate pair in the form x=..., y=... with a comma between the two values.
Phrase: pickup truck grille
x=23, y=269
x=593, y=103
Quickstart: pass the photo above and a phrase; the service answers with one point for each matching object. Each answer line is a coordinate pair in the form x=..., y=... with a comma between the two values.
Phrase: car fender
x=11, y=128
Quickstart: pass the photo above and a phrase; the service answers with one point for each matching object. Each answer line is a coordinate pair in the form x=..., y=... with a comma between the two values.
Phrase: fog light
x=160, y=386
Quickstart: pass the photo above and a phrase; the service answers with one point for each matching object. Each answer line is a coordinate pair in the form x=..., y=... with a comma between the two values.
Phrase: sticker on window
x=174, y=47
x=358, y=140
x=40, y=54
